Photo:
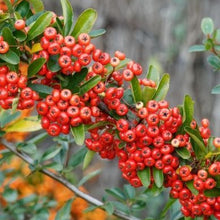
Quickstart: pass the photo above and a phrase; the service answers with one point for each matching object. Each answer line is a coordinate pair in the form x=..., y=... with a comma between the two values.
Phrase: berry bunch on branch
x=77, y=88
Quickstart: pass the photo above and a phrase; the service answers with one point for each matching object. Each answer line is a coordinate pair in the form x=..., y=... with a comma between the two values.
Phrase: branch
x=66, y=183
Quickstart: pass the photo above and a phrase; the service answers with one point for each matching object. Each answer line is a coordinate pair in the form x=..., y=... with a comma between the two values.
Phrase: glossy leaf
x=158, y=177
x=207, y=26
x=183, y=152
x=84, y=22
x=129, y=191
x=214, y=61
x=98, y=125
x=136, y=89
x=79, y=134
x=41, y=88
x=68, y=17
x=38, y=138
x=198, y=146
x=190, y=186
x=88, y=158
x=6, y=116
x=97, y=33
x=28, y=148
x=163, y=88
x=117, y=193
x=78, y=157
x=10, y=57
x=88, y=177
x=38, y=5
x=39, y=26
x=59, y=25
x=22, y=8
x=216, y=89
x=109, y=207
x=51, y=153
x=212, y=192
x=145, y=176
x=9, y=5
x=8, y=36
x=64, y=212
x=148, y=93
x=53, y=64
x=169, y=203
x=89, y=84
x=36, y=48
x=20, y=35
x=33, y=18
x=153, y=74
x=197, y=48
x=28, y=124
x=35, y=66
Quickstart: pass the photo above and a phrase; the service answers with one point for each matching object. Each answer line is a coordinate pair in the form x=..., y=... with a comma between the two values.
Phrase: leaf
x=59, y=25
x=39, y=26
x=36, y=48
x=20, y=35
x=109, y=207
x=10, y=195
x=190, y=186
x=10, y=57
x=53, y=64
x=78, y=157
x=64, y=212
x=145, y=176
x=7, y=117
x=216, y=90
x=199, y=146
x=207, y=26
x=38, y=5
x=183, y=152
x=37, y=139
x=98, y=125
x=88, y=158
x=153, y=74
x=84, y=22
x=28, y=148
x=79, y=134
x=23, y=8
x=9, y=5
x=129, y=191
x=197, y=48
x=33, y=18
x=41, y=88
x=54, y=165
x=148, y=93
x=50, y=153
x=121, y=206
x=158, y=177
x=163, y=88
x=68, y=17
x=122, y=64
x=136, y=89
x=72, y=81
x=28, y=124
x=188, y=110
x=169, y=203
x=88, y=177
x=35, y=66
x=212, y=192
x=97, y=33
x=89, y=84
x=117, y=193
x=214, y=61
x=8, y=36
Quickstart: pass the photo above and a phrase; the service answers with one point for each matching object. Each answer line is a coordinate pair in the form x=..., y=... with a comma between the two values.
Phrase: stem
x=66, y=183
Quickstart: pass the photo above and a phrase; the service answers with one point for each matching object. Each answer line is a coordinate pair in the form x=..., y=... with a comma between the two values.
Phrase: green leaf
x=37, y=5
x=121, y=206
x=190, y=186
x=169, y=203
x=59, y=25
x=109, y=207
x=211, y=147
x=188, y=110
x=89, y=84
x=9, y=5
x=33, y=18
x=216, y=90
x=79, y=134
x=23, y=8
x=214, y=61
x=10, y=57
x=50, y=153
x=98, y=125
x=197, y=48
x=20, y=35
x=153, y=74
x=28, y=148
x=122, y=64
x=199, y=146
x=6, y=116
x=54, y=165
x=212, y=192
x=8, y=36
x=41, y=88
x=145, y=176
x=37, y=139
x=88, y=177
x=97, y=33
x=163, y=88
x=117, y=193
x=88, y=158
x=129, y=191
x=28, y=124
x=64, y=212
x=136, y=89
x=35, y=66
x=10, y=195
x=148, y=93
x=39, y=26
x=207, y=26
x=158, y=177
x=84, y=22
x=72, y=81
x=53, y=64
x=183, y=152
x=78, y=157
x=68, y=17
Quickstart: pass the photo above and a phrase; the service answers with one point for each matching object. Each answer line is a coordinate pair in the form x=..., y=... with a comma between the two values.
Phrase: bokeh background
x=159, y=32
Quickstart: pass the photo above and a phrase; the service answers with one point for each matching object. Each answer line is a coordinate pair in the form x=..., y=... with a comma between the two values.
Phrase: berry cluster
x=14, y=86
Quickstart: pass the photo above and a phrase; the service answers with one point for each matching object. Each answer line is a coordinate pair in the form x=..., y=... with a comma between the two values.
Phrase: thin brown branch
x=66, y=183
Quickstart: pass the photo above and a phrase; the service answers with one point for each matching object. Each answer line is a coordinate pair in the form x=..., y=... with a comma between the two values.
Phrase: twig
x=66, y=183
